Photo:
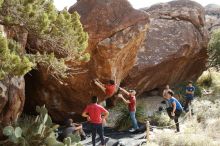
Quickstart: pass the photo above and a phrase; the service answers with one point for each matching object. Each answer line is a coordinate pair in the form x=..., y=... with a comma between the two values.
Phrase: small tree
x=214, y=49
x=61, y=31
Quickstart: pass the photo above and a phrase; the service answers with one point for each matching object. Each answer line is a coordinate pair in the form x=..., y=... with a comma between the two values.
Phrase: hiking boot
x=83, y=137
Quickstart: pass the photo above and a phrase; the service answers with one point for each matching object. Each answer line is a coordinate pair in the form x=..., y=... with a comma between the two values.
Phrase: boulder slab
x=174, y=49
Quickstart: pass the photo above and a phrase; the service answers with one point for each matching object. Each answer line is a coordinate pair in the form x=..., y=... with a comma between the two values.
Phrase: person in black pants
x=190, y=89
x=96, y=115
x=175, y=109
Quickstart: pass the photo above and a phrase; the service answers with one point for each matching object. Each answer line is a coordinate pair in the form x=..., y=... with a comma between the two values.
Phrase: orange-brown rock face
x=116, y=31
x=174, y=49
x=12, y=99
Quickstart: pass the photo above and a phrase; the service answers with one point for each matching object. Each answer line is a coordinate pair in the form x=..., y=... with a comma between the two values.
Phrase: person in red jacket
x=96, y=115
x=131, y=102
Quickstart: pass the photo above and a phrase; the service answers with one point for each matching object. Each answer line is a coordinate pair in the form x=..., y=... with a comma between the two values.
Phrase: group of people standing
x=174, y=108
x=97, y=115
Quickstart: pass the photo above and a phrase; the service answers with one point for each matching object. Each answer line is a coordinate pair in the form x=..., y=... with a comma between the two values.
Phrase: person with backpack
x=96, y=115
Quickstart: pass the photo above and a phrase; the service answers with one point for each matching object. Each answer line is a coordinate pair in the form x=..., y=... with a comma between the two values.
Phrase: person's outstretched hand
x=88, y=118
x=120, y=95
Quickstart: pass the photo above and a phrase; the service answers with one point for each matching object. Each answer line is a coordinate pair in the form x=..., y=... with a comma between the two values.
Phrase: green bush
x=61, y=31
x=123, y=121
x=160, y=119
x=214, y=49
x=11, y=62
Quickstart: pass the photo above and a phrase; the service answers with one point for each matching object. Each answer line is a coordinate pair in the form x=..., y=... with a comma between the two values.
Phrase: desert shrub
x=123, y=121
x=160, y=119
x=184, y=140
x=36, y=131
x=214, y=49
x=213, y=128
x=205, y=109
x=205, y=80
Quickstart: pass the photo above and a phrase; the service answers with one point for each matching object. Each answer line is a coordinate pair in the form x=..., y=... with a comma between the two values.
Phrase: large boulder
x=12, y=99
x=116, y=31
x=174, y=49
x=212, y=16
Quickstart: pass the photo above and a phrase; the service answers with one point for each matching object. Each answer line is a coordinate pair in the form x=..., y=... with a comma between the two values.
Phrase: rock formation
x=174, y=49
x=116, y=31
x=212, y=16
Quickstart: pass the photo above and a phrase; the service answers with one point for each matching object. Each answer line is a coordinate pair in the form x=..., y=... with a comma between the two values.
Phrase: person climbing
x=175, y=109
x=96, y=115
x=72, y=128
x=131, y=102
x=109, y=89
x=190, y=89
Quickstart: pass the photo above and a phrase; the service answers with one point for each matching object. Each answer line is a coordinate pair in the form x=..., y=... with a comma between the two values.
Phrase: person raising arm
x=109, y=88
x=131, y=102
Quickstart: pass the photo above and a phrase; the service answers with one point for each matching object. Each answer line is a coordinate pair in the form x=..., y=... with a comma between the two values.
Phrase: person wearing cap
x=131, y=102
x=190, y=89
x=175, y=109
x=96, y=115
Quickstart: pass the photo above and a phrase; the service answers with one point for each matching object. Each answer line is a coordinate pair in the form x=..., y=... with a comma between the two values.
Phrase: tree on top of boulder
x=58, y=30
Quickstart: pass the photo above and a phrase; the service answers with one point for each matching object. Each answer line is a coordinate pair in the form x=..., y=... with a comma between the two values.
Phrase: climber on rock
x=109, y=89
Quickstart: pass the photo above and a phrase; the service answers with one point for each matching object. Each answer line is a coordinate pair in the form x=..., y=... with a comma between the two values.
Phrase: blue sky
x=60, y=4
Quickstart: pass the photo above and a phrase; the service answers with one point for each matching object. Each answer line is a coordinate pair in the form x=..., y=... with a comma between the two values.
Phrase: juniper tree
x=214, y=49
x=59, y=30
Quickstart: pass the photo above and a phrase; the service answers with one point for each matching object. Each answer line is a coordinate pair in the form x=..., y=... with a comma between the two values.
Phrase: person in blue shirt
x=190, y=89
x=175, y=109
